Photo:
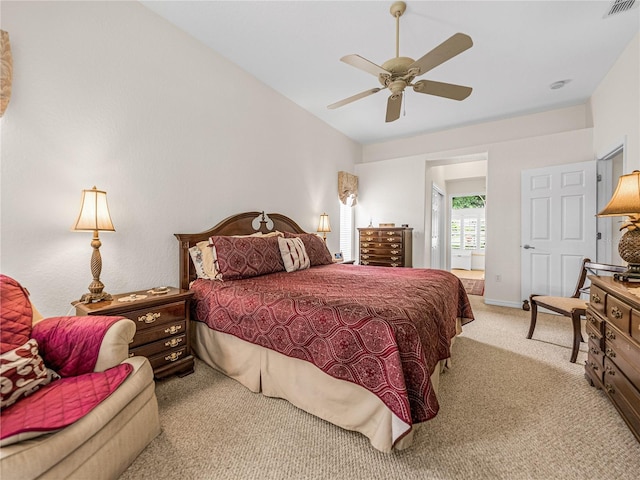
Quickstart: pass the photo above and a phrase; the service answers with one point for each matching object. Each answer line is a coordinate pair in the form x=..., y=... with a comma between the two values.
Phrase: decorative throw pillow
x=244, y=257
x=16, y=314
x=316, y=248
x=22, y=372
x=293, y=254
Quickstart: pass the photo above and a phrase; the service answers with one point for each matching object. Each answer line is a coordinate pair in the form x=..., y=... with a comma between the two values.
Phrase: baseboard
x=502, y=303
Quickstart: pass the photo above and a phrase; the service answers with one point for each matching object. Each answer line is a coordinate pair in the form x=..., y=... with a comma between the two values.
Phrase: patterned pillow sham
x=316, y=248
x=294, y=255
x=22, y=372
x=244, y=257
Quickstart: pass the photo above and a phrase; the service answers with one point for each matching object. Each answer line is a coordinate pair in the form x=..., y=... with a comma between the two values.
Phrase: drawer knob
x=610, y=370
x=616, y=313
x=174, y=342
x=149, y=317
x=595, y=298
x=174, y=356
x=173, y=329
x=610, y=389
x=610, y=353
x=610, y=335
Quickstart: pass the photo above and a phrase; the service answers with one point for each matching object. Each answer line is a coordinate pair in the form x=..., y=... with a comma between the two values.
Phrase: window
x=346, y=231
x=468, y=231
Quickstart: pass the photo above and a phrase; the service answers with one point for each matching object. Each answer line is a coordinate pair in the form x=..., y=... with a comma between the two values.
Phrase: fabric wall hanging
x=347, y=187
x=6, y=72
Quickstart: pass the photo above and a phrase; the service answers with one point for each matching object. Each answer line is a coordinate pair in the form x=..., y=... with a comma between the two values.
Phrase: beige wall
x=615, y=108
x=112, y=95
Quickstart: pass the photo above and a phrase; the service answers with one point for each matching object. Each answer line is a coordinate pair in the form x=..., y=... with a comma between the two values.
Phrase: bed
x=359, y=346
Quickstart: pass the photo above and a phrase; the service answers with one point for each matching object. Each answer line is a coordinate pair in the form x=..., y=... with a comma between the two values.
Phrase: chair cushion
x=15, y=314
x=60, y=403
x=562, y=303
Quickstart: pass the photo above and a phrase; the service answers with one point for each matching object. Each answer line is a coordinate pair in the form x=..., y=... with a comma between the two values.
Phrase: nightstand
x=162, y=327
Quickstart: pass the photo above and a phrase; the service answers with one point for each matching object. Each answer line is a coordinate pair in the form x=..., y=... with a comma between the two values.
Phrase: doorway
x=468, y=240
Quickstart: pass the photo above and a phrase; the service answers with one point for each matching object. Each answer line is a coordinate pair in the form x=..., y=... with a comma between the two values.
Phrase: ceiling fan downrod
x=397, y=9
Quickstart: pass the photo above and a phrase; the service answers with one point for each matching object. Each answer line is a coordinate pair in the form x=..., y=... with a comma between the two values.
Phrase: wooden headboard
x=240, y=224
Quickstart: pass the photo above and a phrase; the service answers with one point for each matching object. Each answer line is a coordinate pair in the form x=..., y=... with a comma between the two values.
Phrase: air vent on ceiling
x=619, y=6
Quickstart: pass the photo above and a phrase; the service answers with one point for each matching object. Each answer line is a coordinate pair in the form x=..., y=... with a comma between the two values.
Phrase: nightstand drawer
x=160, y=346
x=160, y=314
x=161, y=331
x=168, y=357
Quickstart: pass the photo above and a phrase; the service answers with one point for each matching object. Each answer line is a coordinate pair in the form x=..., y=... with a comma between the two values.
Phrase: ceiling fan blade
x=451, y=47
x=446, y=90
x=364, y=64
x=353, y=98
x=394, y=105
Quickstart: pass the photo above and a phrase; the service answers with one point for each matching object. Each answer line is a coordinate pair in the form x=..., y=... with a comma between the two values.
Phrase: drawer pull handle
x=391, y=239
x=174, y=342
x=610, y=370
x=365, y=256
x=395, y=258
x=390, y=233
x=610, y=335
x=395, y=264
x=149, y=317
x=174, y=356
x=395, y=251
x=616, y=313
x=365, y=244
x=173, y=329
x=369, y=239
x=610, y=353
x=595, y=298
x=610, y=389
x=594, y=366
x=364, y=262
x=395, y=245
x=365, y=250
x=591, y=319
x=368, y=232
x=131, y=354
x=594, y=350
x=592, y=335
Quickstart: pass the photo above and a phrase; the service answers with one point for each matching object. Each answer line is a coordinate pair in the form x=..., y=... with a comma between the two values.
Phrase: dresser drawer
x=594, y=333
x=597, y=298
x=624, y=395
x=595, y=321
x=618, y=313
x=159, y=315
x=158, y=332
x=624, y=352
x=635, y=325
x=160, y=346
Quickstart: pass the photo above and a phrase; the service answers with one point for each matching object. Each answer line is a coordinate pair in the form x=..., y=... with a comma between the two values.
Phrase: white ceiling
x=520, y=48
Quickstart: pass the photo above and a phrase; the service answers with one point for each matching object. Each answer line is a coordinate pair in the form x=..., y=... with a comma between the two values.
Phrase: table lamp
x=324, y=226
x=626, y=202
x=94, y=216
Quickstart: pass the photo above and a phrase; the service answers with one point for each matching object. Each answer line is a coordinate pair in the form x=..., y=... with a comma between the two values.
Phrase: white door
x=437, y=228
x=558, y=227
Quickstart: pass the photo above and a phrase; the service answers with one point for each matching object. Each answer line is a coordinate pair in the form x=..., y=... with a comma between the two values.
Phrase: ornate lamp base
x=95, y=297
x=629, y=250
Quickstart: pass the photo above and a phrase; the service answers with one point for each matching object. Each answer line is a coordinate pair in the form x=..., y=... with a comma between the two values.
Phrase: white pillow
x=294, y=255
x=204, y=259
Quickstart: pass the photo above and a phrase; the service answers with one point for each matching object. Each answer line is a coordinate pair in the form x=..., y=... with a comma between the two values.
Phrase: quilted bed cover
x=384, y=329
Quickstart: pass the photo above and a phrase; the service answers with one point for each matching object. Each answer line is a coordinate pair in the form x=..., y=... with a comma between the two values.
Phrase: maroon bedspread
x=382, y=328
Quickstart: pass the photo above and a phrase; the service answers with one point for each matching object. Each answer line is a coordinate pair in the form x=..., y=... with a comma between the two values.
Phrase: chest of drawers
x=386, y=247
x=613, y=358
x=162, y=327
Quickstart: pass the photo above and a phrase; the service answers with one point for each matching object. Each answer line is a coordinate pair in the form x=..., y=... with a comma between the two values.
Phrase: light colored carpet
x=511, y=408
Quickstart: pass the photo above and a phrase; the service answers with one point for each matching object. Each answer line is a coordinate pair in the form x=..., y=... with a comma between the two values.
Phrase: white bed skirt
x=342, y=403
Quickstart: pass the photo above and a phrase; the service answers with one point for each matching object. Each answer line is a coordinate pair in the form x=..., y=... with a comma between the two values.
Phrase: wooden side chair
x=573, y=307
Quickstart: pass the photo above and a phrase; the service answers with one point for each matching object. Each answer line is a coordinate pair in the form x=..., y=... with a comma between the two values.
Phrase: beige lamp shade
x=626, y=198
x=324, y=225
x=94, y=212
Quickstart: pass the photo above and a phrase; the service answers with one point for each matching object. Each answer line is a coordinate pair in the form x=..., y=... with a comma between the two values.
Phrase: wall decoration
x=6, y=71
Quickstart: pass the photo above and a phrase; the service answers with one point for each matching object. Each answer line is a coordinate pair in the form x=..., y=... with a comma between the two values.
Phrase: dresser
x=613, y=358
x=162, y=327
x=386, y=247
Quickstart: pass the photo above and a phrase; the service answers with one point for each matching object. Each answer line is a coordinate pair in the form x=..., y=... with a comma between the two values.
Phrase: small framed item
x=386, y=225
x=337, y=257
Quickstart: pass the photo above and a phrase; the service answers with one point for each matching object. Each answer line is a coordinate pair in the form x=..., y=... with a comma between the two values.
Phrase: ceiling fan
x=398, y=73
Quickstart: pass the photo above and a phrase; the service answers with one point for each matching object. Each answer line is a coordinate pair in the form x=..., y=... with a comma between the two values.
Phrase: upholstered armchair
x=73, y=404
